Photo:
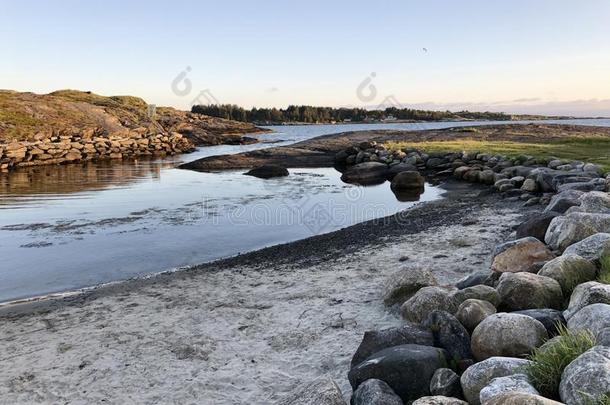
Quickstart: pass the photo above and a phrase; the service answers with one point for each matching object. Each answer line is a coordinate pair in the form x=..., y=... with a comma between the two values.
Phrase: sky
x=535, y=56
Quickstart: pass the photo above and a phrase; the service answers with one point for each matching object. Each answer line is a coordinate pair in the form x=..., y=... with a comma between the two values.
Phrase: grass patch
x=604, y=273
x=547, y=365
x=591, y=149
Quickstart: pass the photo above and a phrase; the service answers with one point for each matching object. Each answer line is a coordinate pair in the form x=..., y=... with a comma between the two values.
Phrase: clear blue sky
x=543, y=55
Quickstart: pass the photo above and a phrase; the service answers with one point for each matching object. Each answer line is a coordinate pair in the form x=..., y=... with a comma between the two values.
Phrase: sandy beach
x=247, y=329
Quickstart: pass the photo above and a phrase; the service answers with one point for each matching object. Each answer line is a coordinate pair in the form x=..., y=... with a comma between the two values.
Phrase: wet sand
x=246, y=329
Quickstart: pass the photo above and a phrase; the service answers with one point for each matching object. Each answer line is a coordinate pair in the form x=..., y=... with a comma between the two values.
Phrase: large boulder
x=377, y=340
x=407, y=369
x=593, y=318
x=478, y=292
x=472, y=312
x=550, y=318
x=449, y=334
x=595, y=201
x=399, y=168
x=587, y=379
x=574, y=227
x=426, y=300
x=268, y=171
x=590, y=248
x=375, y=392
x=405, y=283
x=366, y=173
x=507, y=334
x=446, y=382
x=561, y=202
x=516, y=383
x=322, y=391
x=536, y=226
x=587, y=294
x=408, y=181
x=479, y=375
x=529, y=291
x=439, y=400
x=591, y=185
x=520, y=255
x=569, y=271
x=521, y=398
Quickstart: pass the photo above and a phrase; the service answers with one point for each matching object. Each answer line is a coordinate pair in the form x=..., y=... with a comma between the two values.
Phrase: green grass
x=547, y=365
x=604, y=273
x=591, y=149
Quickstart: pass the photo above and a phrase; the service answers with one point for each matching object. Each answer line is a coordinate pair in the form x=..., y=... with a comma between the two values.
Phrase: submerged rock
x=268, y=171
x=507, y=334
x=407, y=369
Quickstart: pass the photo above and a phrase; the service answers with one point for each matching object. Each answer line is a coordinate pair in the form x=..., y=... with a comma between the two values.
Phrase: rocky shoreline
x=485, y=338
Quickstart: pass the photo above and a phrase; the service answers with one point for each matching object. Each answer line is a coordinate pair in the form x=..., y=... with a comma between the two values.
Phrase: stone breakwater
x=76, y=148
x=473, y=341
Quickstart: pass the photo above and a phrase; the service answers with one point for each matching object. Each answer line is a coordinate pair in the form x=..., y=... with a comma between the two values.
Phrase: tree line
x=311, y=114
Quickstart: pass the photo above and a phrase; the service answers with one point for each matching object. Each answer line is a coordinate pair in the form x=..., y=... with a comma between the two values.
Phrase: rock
x=530, y=186
x=590, y=248
x=478, y=292
x=569, y=271
x=471, y=312
x=375, y=392
x=507, y=334
x=459, y=172
x=520, y=398
x=549, y=318
x=586, y=294
x=520, y=255
x=586, y=379
x=478, y=278
x=407, y=369
x=516, y=383
x=268, y=171
x=322, y=391
x=439, y=400
x=449, y=334
x=405, y=283
x=487, y=177
x=366, y=173
x=377, y=340
x=407, y=181
x=591, y=185
x=529, y=291
x=446, y=382
x=566, y=230
x=434, y=162
x=561, y=202
x=593, y=318
x=595, y=202
x=536, y=226
x=401, y=167
x=426, y=300
x=603, y=337
x=478, y=376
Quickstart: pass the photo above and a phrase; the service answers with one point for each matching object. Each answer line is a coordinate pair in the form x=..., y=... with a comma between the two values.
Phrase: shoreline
x=248, y=328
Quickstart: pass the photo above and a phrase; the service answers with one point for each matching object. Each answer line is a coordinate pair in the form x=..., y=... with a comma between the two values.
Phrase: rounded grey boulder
x=407, y=369
x=426, y=300
x=586, y=379
x=569, y=271
x=593, y=318
x=375, y=392
x=479, y=292
x=323, y=391
x=405, y=283
x=587, y=294
x=516, y=383
x=529, y=291
x=479, y=375
x=590, y=248
x=472, y=312
x=407, y=181
x=446, y=382
x=507, y=334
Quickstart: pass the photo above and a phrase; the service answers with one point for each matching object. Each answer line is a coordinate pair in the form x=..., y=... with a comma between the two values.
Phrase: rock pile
x=59, y=149
x=472, y=341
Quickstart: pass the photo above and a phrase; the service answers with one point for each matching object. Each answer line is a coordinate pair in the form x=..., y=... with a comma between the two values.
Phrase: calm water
x=67, y=227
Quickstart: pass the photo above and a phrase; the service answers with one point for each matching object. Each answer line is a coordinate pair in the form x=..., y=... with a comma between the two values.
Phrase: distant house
x=389, y=118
